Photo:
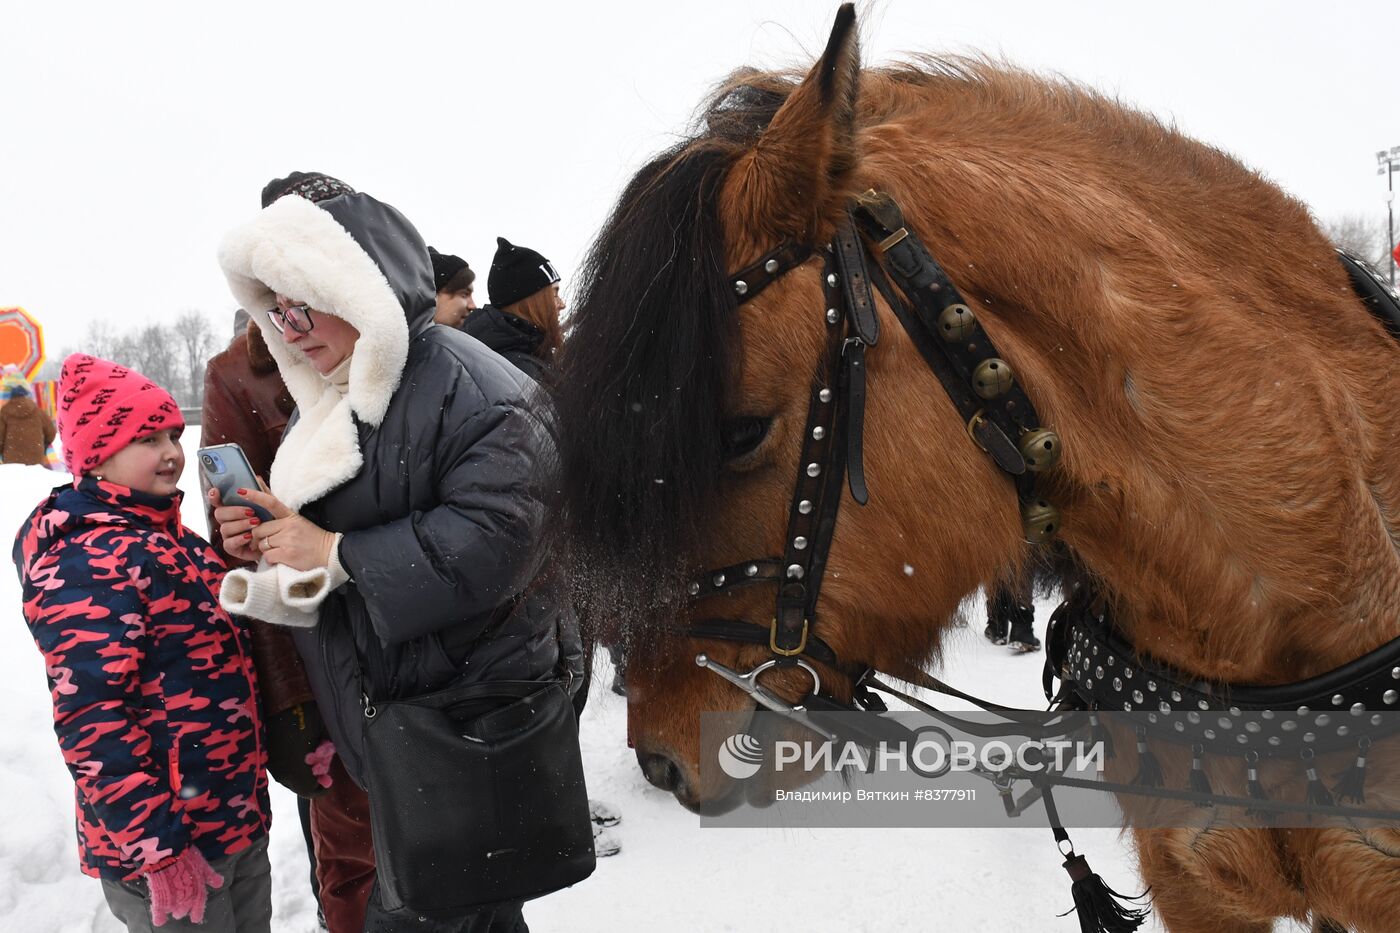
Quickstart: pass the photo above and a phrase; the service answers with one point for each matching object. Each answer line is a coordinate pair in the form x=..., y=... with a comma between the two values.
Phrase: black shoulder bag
x=476, y=795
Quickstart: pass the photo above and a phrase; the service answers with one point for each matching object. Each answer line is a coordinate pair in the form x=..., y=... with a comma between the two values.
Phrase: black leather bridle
x=998, y=415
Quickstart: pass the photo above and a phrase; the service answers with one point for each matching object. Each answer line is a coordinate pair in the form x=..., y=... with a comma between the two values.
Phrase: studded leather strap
x=735, y=576
x=817, y=494
x=929, y=293
x=753, y=279
x=1325, y=713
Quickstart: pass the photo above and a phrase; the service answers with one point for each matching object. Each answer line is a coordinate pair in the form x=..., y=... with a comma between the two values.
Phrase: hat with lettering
x=517, y=272
x=102, y=407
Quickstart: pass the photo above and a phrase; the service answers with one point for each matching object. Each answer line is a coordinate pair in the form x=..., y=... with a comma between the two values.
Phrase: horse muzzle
x=665, y=773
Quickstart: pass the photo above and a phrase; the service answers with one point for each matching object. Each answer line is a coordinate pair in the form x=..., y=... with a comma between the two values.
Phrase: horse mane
x=650, y=350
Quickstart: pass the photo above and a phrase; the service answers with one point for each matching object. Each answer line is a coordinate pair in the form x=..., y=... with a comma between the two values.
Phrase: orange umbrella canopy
x=21, y=341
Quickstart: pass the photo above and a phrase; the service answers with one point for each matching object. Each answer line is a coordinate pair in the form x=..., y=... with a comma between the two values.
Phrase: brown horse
x=1225, y=403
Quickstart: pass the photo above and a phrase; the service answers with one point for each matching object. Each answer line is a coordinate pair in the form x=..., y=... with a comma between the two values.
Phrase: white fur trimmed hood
x=362, y=261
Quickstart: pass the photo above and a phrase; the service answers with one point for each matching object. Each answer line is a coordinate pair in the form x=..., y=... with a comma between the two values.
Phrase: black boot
x=1022, y=636
x=999, y=606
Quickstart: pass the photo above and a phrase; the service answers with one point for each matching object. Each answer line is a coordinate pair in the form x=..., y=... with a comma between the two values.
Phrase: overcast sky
x=134, y=135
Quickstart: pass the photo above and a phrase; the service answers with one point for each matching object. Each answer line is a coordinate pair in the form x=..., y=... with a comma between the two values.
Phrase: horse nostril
x=660, y=771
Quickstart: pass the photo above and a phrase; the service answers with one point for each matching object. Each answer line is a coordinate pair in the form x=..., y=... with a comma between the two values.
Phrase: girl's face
x=150, y=464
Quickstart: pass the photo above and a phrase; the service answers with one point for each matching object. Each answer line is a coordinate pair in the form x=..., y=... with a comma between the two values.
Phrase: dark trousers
x=304, y=814
x=242, y=905
x=344, y=852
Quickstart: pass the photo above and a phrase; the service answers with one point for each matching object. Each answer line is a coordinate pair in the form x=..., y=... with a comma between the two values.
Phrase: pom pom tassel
x=1318, y=794
x=1198, y=780
x=1352, y=785
x=1149, y=768
x=1097, y=905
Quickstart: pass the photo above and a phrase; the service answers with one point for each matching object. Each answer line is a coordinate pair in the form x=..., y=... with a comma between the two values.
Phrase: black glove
x=293, y=734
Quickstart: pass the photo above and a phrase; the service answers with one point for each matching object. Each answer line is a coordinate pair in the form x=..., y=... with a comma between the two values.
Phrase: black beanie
x=517, y=272
x=314, y=186
x=445, y=266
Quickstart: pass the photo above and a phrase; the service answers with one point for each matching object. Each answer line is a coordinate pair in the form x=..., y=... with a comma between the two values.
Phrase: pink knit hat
x=102, y=407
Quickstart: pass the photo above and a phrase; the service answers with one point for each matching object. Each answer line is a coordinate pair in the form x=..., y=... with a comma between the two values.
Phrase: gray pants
x=242, y=905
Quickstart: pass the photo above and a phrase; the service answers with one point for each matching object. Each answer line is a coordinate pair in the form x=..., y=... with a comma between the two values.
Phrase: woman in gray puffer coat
x=410, y=490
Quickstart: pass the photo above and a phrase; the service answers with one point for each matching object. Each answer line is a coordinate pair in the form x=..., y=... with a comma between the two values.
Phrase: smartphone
x=226, y=468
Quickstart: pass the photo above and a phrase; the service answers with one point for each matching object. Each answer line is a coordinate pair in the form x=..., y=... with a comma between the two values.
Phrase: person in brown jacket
x=26, y=430
x=246, y=403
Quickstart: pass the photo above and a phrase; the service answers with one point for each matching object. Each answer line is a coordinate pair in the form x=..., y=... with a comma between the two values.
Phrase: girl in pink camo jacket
x=152, y=682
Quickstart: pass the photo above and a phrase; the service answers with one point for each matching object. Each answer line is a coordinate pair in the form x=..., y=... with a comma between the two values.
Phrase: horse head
x=686, y=410
x=685, y=404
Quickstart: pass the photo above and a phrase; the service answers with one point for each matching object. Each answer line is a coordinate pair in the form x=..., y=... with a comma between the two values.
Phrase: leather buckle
x=893, y=239
x=972, y=425
x=784, y=652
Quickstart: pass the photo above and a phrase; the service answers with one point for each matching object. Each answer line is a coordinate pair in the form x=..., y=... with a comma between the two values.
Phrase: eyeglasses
x=297, y=317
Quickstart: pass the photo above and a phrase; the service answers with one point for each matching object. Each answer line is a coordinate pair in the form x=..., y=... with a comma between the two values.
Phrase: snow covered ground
x=670, y=875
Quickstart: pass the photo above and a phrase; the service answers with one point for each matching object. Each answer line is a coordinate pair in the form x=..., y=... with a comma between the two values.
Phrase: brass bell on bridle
x=957, y=323
x=1041, y=521
x=992, y=378
x=1040, y=449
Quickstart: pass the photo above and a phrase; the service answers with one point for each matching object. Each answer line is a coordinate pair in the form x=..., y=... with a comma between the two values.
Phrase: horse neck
x=1239, y=536
x=1223, y=478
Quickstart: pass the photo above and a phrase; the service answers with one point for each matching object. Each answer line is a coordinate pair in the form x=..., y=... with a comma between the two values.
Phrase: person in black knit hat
x=517, y=272
x=522, y=321
x=455, y=283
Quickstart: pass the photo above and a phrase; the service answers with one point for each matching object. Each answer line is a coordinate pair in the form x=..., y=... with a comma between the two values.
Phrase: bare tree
x=173, y=355
x=195, y=339
x=124, y=348
x=1360, y=235
x=159, y=358
x=98, y=338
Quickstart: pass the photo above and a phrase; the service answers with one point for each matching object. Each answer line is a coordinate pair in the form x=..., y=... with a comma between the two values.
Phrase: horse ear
x=799, y=166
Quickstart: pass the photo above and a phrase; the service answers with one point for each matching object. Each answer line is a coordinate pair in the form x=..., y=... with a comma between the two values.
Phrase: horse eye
x=743, y=435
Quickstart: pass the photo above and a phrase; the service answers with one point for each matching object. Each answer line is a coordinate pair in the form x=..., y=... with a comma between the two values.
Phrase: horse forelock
x=650, y=354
